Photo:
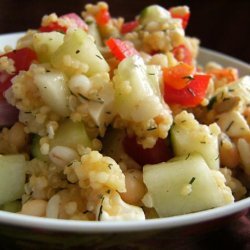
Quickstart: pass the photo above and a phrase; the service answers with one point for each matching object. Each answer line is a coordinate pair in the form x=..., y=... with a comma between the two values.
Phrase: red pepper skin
x=184, y=18
x=102, y=17
x=191, y=95
x=161, y=152
x=183, y=54
x=228, y=74
x=121, y=49
x=129, y=26
x=177, y=76
x=22, y=60
x=76, y=19
x=55, y=26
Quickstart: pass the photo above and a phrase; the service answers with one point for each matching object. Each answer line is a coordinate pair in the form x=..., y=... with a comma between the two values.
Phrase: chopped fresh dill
x=187, y=156
x=229, y=126
x=192, y=180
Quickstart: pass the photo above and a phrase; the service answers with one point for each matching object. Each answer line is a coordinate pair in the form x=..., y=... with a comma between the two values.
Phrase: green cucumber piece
x=188, y=136
x=35, y=149
x=70, y=134
x=12, y=177
x=112, y=144
x=93, y=31
x=154, y=13
x=46, y=43
x=141, y=102
x=54, y=91
x=13, y=206
x=81, y=48
x=185, y=185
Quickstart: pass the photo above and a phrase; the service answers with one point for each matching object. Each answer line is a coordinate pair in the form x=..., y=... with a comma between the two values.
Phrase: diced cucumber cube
x=35, y=149
x=12, y=177
x=46, y=43
x=54, y=91
x=13, y=206
x=136, y=96
x=81, y=49
x=154, y=13
x=185, y=185
x=71, y=134
x=188, y=136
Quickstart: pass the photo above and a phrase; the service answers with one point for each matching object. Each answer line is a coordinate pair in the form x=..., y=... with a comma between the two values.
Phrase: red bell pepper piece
x=102, y=17
x=121, y=49
x=183, y=16
x=189, y=96
x=161, y=151
x=55, y=26
x=178, y=76
x=229, y=74
x=76, y=19
x=183, y=54
x=129, y=26
x=22, y=60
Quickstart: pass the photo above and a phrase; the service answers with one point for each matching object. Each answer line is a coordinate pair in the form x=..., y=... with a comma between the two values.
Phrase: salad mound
x=106, y=119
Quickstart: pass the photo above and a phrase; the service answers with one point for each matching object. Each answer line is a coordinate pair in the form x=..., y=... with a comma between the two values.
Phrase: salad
x=106, y=119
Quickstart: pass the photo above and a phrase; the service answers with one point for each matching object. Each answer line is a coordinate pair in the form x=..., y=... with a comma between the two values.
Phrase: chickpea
x=35, y=208
x=229, y=155
x=17, y=137
x=134, y=186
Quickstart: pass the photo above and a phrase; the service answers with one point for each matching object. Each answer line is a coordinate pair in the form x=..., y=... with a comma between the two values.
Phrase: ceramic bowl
x=31, y=232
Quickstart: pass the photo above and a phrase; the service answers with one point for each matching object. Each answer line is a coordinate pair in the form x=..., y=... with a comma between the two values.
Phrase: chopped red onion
x=8, y=114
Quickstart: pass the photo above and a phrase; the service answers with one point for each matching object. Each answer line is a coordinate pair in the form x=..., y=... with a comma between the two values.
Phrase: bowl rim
x=74, y=226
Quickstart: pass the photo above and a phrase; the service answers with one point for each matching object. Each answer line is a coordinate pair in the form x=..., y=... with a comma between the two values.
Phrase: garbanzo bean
x=228, y=148
x=35, y=208
x=135, y=187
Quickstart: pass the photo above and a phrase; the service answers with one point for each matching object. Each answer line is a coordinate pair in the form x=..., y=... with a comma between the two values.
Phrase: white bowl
x=61, y=232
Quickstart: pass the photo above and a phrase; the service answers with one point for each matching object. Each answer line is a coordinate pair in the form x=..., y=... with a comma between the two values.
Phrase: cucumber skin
x=12, y=177
x=69, y=134
x=165, y=182
x=189, y=136
x=35, y=149
x=13, y=206
x=81, y=48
